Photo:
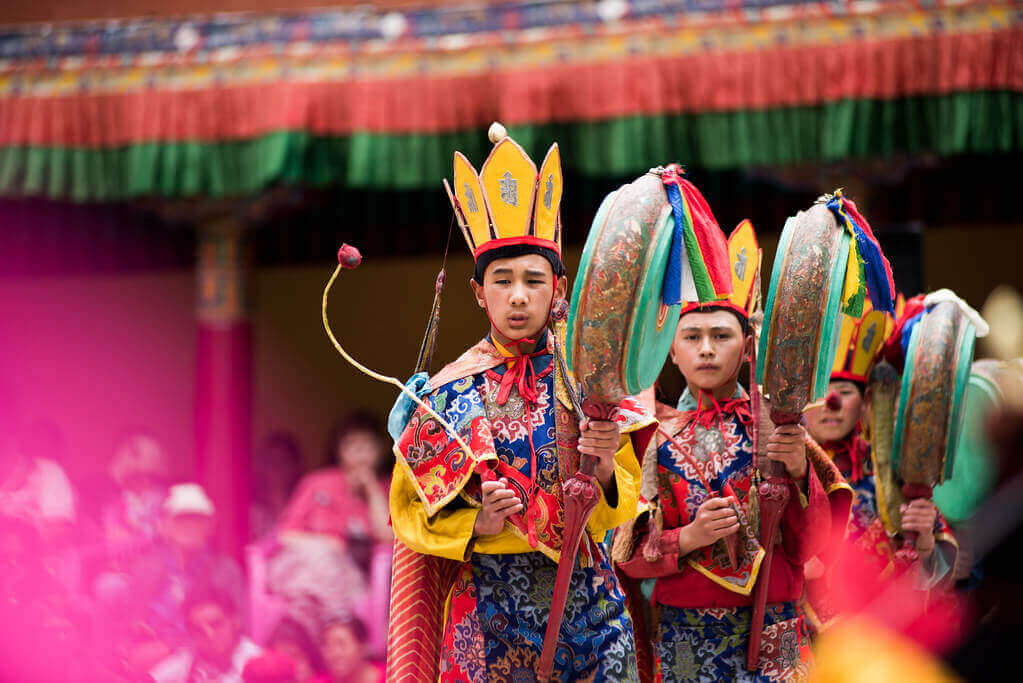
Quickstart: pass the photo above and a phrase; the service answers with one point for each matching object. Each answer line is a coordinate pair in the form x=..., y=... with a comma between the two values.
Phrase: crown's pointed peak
x=502, y=203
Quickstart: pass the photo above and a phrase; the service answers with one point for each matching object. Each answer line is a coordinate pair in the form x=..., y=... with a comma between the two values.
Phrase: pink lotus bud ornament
x=349, y=257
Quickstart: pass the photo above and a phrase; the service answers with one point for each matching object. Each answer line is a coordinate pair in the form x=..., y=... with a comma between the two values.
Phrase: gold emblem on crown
x=744, y=255
x=859, y=341
x=507, y=202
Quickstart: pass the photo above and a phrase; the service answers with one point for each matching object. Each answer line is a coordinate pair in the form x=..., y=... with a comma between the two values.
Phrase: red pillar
x=223, y=400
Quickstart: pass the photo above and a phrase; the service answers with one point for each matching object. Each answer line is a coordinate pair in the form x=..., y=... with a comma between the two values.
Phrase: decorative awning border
x=235, y=118
x=946, y=125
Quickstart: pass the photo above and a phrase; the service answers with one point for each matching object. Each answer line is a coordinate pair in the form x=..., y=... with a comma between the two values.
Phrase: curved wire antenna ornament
x=349, y=258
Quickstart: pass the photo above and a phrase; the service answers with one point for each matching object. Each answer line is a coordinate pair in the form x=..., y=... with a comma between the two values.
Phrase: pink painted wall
x=98, y=355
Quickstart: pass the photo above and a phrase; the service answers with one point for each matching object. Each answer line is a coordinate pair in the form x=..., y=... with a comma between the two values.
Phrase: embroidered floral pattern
x=510, y=423
x=511, y=599
x=720, y=455
x=710, y=645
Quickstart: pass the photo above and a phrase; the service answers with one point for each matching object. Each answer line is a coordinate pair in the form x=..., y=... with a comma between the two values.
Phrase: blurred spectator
x=349, y=500
x=292, y=640
x=334, y=542
x=176, y=563
x=132, y=519
x=270, y=667
x=216, y=650
x=35, y=489
x=344, y=652
x=42, y=438
x=132, y=646
x=39, y=616
x=276, y=470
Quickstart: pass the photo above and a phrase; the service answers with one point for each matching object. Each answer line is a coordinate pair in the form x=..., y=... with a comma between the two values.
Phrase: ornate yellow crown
x=744, y=256
x=859, y=341
x=508, y=202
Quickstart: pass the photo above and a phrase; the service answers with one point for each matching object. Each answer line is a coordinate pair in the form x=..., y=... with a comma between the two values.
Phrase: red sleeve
x=805, y=531
x=638, y=567
x=293, y=515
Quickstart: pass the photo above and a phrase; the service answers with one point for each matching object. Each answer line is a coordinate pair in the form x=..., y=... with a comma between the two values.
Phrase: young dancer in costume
x=701, y=545
x=498, y=511
x=870, y=553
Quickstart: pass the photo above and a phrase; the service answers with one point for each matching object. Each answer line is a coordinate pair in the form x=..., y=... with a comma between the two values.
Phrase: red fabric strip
x=713, y=247
x=722, y=81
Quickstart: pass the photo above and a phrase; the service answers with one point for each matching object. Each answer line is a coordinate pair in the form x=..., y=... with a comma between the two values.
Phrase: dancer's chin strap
x=707, y=415
x=520, y=374
x=349, y=258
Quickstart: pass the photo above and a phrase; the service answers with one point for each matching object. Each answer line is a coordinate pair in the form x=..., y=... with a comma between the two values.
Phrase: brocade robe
x=499, y=605
x=701, y=603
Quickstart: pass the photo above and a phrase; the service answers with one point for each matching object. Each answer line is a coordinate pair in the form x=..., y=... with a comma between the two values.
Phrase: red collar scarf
x=849, y=454
x=706, y=414
x=519, y=373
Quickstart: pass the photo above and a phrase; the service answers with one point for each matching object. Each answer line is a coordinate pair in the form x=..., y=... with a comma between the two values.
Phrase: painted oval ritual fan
x=929, y=417
x=652, y=244
x=973, y=474
x=827, y=261
x=802, y=312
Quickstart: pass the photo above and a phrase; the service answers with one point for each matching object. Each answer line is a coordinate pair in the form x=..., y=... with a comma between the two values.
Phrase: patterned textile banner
x=227, y=105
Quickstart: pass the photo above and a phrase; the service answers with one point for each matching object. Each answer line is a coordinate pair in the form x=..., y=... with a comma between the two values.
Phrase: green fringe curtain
x=959, y=123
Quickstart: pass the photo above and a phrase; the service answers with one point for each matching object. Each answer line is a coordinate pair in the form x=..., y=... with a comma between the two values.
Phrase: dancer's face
x=708, y=350
x=825, y=424
x=517, y=294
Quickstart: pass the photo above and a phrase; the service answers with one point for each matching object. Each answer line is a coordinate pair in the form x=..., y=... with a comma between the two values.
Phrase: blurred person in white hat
x=182, y=558
x=189, y=518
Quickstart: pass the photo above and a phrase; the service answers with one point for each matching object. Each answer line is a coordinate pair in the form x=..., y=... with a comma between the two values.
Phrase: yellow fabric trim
x=812, y=616
x=741, y=590
x=501, y=348
x=852, y=273
x=942, y=537
x=629, y=429
x=840, y=485
x=447, y=606
x=444, y=534
x=845, y=340
x=432, y=509
x=511, y=540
